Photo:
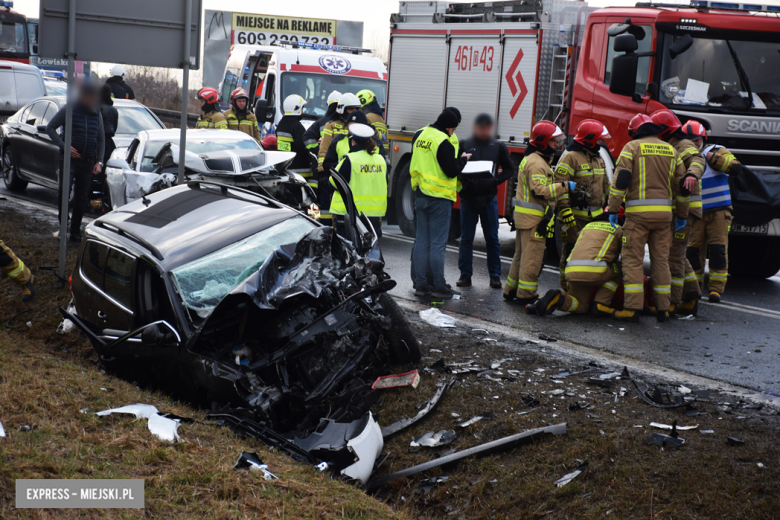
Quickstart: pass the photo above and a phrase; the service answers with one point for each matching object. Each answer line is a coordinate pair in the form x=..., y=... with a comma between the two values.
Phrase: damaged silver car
x=151, y=163
x=236, y=302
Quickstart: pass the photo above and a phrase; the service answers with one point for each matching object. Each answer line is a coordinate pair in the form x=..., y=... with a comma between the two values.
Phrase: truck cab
x=271, y=73
x=716, y=64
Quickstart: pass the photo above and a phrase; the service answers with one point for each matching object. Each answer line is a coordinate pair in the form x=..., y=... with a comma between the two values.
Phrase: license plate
x=754, y=230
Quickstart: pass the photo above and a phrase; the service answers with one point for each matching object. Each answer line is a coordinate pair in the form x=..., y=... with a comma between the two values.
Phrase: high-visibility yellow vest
x=455, y=142
x=368, y=182
x=425, y=170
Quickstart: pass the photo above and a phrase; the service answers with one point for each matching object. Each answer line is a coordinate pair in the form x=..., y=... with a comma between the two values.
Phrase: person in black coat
x=119, y=88
x=110, y=120
x=479, y=202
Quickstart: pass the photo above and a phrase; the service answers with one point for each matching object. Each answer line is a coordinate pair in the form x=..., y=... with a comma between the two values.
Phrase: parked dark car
x=28, y=154
x=221, y=295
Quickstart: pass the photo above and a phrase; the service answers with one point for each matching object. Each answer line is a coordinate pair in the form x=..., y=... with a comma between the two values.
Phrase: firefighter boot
x=549, y=302
x=28, y=290
x=714, y=297
x=604, y=310
x=626, y=315
x=662, y=316
x=688, y=308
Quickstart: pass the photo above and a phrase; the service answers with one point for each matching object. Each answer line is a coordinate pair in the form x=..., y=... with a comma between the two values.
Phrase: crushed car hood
x=226, y=163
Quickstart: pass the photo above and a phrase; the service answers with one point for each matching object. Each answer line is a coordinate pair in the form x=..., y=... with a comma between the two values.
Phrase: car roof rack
x=119, y=229
x=267, y=198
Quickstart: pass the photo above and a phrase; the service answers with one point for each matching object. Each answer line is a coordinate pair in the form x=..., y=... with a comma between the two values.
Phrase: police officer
x=537, y=193
x=119, y=88
x=289, y=138
x=211, y=116
x=685, y=287
x=581, y=164
x=593, y=264
x=369, y=105
x=239, y=117
x=17, y=271
x=653, y=200
x=340, y=144
x=434, y=169
x=713, y=228
x=365, y=170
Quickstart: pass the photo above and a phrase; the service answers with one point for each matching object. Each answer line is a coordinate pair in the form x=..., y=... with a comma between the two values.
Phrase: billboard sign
x=261, y=29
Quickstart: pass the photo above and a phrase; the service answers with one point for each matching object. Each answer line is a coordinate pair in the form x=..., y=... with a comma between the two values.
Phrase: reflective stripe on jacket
x=247, y=124
x=695, y=163
x=598, y=245
x=212, y=120
x=715, y=190
x=535, y=190
x=589, y=172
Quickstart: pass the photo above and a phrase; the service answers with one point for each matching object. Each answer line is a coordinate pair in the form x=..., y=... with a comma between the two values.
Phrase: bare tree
x=160, y=88
x=380, y=46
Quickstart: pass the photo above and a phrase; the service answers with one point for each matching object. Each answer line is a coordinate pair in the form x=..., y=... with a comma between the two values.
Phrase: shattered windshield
x=197, y=147
x=203, y=283
x=706, y=75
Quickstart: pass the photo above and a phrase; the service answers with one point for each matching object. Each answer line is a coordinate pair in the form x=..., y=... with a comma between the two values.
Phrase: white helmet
x=334, y=97
x=347, y=100
x=118, y=70
x=293, y=105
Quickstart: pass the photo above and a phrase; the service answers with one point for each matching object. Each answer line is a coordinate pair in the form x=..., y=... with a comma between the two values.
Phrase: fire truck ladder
x=559, y=85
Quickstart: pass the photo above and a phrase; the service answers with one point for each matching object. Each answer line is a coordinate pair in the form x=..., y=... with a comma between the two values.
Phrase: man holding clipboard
x=478, y=198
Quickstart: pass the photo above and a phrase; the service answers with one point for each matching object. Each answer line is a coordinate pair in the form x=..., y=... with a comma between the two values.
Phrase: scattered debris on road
x=571, y=476
x=437, y=318
x=434, y=440
x=394, y=381
x=252, y=462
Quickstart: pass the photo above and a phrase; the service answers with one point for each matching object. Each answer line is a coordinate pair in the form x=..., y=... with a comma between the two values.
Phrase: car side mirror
x=119, y=164
x=622, y=79
x=159, y=333
x=680, y=46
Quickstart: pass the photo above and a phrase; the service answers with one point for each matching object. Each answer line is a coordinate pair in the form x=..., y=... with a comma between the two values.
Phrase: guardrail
x=174, y=117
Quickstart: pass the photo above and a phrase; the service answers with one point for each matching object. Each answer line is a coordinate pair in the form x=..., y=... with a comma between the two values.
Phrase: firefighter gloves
x=567, y=217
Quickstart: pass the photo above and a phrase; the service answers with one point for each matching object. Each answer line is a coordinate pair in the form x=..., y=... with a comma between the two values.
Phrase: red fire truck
x=524, y=61
x=14, y=34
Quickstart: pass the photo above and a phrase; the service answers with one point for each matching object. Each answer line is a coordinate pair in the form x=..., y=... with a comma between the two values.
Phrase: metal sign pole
x=65, y=173
x=185, y=87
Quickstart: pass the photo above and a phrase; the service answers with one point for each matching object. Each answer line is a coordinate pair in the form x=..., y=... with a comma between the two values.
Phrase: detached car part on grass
x=275, y=342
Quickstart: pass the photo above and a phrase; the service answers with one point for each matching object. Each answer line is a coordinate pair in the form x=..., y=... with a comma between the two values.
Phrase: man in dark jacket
x=119, y=88
x=86, y=150
x=479, y=201
x=110, y=117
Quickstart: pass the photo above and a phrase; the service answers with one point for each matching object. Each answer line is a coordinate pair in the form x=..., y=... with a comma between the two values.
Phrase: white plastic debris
x=557, y=391
x=437, y=318
x=684, y=390
x=2, y=431
x=141, y=411
x=760, y=464
x=570, y=476
x=669, y=426
x=366, y=447
x=706, y=431
x=161, y=427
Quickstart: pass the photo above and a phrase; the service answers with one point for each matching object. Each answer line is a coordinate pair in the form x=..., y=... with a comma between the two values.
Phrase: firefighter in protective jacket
x=534, y=204
x=649, y=177
x=685, y=288
x=581, y=164
x=211, y=116
x=346, y=104
x=593, y=263
x=713, y=228
x=239, y=117
x=289, y=138
x=369, y=105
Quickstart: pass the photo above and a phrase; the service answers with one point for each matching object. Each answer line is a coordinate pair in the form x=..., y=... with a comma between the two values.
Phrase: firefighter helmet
x=347, y=100
x=238, y=93
x=695, y=129
x=365, y=97
x=334, y=97
x=293, y=105
x=637, y=121
x=666, y=120
x=208, y=94
x=269, y=142
x=118, y=70
x=543, y=132
x=589, y=132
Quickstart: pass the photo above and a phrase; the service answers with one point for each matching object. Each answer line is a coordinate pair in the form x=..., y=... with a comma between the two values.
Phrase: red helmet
x=238, y=93
x=637, y=121
x=695, y=129
x=542, y=132
x=666, y=120
x=269, y=142
x=208, y=94
x=589, y=132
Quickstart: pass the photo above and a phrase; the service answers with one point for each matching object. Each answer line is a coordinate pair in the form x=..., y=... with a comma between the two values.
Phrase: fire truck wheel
x=404, y=200
x=753, y=256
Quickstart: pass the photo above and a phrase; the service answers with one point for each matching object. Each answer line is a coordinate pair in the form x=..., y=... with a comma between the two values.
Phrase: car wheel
x=404, y=347
x=753, y=256
x=10, y=173
x=404, y=201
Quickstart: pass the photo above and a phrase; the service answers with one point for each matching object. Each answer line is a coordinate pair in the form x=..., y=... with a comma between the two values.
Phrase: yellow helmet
x=366, y=97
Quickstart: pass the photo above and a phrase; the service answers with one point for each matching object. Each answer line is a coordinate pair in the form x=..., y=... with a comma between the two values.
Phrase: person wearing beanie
x=434, y=168
x=363, y=168
x=479, y=200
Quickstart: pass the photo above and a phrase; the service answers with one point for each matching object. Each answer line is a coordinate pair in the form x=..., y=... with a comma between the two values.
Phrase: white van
x=19, y=84
x=271, y=73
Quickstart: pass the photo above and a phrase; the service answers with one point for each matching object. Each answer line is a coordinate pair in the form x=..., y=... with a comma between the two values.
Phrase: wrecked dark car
x=239, y=303
x=151, y=164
